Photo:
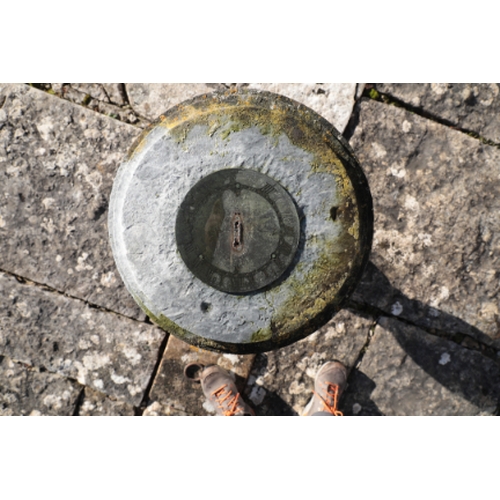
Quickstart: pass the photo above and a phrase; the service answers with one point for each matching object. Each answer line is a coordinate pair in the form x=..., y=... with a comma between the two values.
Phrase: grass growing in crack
x=86, y=100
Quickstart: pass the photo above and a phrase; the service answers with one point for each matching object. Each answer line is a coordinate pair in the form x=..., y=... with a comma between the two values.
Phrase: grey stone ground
x=421, y=334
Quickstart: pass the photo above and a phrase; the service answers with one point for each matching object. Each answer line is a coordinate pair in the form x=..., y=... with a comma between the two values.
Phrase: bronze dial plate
x=237, y=230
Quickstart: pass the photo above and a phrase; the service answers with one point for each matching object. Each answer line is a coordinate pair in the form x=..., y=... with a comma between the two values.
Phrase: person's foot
x=220, y=390
x=329, y=385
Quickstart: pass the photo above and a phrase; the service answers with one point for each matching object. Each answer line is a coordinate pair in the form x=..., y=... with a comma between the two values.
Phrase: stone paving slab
x=470, y=106
x=435, y=263
x=333, y=101
x=105, y=92
x=281, y=381
x=406, y=371
x=436, y=245
x=95, y=403
x=150, y=100
x=106, y=98
x=106, y=351
x=57, y=165
x=27, y=390
x=176, y=393
x=155, y=409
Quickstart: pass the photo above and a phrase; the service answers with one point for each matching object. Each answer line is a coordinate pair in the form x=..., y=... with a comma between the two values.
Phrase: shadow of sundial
x=431, y=339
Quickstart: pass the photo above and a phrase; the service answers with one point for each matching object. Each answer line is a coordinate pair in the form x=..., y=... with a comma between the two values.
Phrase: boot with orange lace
x=329, y=385
x=220, y=390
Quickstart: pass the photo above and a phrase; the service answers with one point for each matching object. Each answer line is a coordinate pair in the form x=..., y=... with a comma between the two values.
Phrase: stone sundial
x=240, y=221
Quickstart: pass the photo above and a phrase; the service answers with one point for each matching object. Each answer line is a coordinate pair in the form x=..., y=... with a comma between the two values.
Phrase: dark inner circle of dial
x=237, y=230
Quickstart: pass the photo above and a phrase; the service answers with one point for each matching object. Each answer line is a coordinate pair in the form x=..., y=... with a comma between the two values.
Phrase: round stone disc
x=240, y=221
x=237, y=230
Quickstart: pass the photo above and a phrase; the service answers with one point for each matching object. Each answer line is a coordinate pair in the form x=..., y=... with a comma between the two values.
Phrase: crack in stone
x=79, y=402
x=457, y=338
x=365, y=347
x=106, y=93
x=138, y=411
x=371, y=92
x=47, y=288
x=122, y=87
x=91, y=103
x=145, y=398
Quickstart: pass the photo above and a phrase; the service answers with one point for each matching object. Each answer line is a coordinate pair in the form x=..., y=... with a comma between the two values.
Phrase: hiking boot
x=329, y=385
x=220, y=390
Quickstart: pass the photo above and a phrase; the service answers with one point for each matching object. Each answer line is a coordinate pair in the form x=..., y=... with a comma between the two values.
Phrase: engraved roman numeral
x=266, y=190
x=287, y=232
x=236, y=282
x=284, y=247
x=197, y=264
x=288, y=218
x=214, y=277
x=189, y=247
x=249, y=281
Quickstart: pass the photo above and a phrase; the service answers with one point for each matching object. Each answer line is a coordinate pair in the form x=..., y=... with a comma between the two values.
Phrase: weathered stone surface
x=471, y=106
x=177, y=394
x=94, y=90
x=333, y=101
x=436, y=246
x=57, y=164
x=156, y=409
x=150, y=100
x=114, y=93
x=97, y=404
x=109, y=352
x=105, y=98
x=26, y=390
x=281, y=381
x=406, y=371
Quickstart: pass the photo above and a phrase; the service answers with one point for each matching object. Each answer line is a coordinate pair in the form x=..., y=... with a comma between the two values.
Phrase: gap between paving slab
x=27, y=390
x=414, y=310
x=411, y=309
x=469, y=107
x=113, y=354
x=281, y=381
x=47, y=112
x=376, y=296
x=406, y=371
x=172, y=393
x=57, y=162
x=436, y=247
x=141, y=103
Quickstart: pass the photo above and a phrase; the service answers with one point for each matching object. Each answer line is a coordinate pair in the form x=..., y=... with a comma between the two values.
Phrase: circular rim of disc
x=297, y=116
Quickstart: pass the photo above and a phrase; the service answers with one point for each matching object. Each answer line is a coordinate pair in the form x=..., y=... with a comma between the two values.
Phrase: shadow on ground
x=426, y=335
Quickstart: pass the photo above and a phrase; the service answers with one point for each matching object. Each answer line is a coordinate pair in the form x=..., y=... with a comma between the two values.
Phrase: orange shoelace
x=222, y=395
x=331, y=399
